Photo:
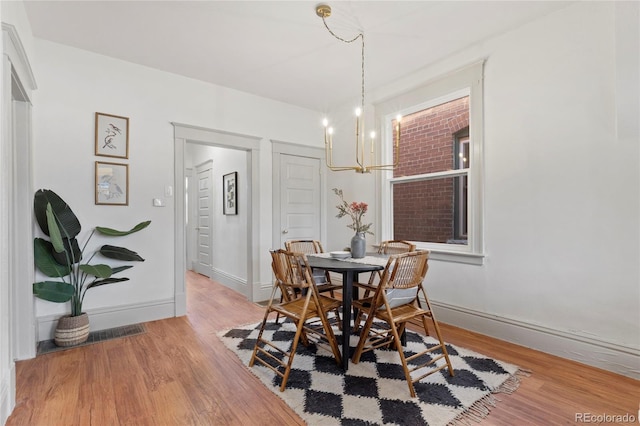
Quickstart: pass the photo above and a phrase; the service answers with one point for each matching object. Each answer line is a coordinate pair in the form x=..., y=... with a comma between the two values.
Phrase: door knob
x=285, y=231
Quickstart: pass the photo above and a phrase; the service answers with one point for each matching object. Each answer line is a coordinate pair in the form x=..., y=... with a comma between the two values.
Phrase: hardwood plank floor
x=179, y=373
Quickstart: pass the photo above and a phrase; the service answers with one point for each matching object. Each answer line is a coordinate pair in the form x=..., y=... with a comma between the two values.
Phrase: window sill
x=456, y=256
x=450, y=255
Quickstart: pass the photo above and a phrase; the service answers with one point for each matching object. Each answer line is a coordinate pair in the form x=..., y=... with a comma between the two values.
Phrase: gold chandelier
x=324, y=11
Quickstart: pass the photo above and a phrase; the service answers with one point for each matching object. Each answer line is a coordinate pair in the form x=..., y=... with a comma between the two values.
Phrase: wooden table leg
x=347, y=289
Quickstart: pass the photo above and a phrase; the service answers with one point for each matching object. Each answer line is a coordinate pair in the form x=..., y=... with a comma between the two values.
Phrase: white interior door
x=299, y=198
x=204, y=219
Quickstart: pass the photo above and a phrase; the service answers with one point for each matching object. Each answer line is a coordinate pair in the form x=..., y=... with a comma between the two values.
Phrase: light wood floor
x=179, y=373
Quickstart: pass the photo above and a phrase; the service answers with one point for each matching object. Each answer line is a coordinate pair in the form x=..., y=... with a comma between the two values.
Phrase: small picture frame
x=230, y=193
x=112, y=184
x=112, y=135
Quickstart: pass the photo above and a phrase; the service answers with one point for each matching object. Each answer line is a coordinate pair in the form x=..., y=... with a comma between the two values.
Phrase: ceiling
x=281, y=49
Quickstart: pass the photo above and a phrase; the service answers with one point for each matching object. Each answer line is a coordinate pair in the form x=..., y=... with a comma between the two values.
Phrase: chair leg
x=331, y=338
x=259, y=338
x=291, y=354
x=278, y=313
x=442, y=344
x=363, y=339
x=400, y=349
x=337, y=312
x=357, y=320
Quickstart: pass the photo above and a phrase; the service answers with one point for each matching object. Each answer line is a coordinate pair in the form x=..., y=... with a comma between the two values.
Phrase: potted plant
x=356, y=212
x=61, y=256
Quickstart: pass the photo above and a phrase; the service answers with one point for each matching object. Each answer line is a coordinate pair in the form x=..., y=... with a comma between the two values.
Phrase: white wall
x=75, y=85
x=562, y=189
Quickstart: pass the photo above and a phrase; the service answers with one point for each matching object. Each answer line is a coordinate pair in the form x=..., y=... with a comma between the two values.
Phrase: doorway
x=233, y=265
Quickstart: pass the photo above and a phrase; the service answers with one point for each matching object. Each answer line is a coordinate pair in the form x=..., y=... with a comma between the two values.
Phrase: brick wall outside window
x=424, y=210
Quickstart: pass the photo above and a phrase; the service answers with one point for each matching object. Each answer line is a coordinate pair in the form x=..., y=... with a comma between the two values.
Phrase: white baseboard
x=595, y=352
x=8, y=394
x=117, y=316
x=235, y=283
x=260, y=292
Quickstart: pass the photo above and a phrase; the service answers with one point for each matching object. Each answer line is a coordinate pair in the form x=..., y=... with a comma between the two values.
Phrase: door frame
x=16, y=230
x=183, y=134
x=278, y=149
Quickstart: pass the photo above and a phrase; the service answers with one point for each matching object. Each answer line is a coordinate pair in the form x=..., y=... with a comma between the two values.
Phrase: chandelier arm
x=324, y=11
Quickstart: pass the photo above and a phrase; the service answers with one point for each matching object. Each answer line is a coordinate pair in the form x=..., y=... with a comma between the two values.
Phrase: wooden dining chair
x=395, y=247
x=395, y=303
x=307, y=311
x=386, y=247
x=320, y=276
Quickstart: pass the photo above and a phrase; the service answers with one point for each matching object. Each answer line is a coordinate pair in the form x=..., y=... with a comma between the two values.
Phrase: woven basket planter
x=72, y=331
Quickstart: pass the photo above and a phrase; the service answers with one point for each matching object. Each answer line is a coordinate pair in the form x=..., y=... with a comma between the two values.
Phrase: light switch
x=157, y=202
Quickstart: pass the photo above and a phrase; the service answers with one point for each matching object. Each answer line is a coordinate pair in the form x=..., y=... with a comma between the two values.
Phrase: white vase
x=358, y=245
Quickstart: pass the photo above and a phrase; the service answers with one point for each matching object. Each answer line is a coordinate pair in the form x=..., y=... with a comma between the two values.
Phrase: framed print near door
x=112, y=135
x=112, y=184
x=230, y=193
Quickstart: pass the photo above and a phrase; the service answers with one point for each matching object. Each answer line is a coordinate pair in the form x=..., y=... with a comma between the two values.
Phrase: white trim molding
x=17, y=333
x=13, y=48
x=7, y=394
x=609, y=356
x=465, y=81
x=229, y=280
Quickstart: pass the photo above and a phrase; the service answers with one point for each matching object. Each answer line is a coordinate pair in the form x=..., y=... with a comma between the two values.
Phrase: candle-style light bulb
x=358, y=112
x=373, y=136
x=325, y=122
x=330, y=130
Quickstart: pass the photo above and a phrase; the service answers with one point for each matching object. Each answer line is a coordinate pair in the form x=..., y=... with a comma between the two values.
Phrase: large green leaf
x=53, y=291
x=54, y=231
x=116, y=233
x=120, y=253
x=111, y=280
x=45, y=262
x=67, y=220
x=71, y=249
x=100, y=271
x=120, y=268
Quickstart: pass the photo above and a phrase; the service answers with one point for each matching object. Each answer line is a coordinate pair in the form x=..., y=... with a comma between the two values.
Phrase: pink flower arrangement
x=355, y=210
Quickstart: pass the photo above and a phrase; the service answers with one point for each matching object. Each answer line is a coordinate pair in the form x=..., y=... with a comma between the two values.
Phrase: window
x=433, y=197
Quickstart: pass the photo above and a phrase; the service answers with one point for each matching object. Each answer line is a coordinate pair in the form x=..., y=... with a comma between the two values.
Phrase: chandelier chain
x=361, y=37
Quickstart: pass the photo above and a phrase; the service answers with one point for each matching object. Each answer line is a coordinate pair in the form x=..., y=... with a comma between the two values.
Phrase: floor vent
x=48, y=346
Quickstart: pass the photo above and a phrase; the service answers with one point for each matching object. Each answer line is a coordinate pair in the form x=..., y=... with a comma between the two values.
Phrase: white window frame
x=466, y=81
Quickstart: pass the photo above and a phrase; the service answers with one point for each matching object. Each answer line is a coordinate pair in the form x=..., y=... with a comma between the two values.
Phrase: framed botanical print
x=112, y=135
x=112, y=183
x=230, y=193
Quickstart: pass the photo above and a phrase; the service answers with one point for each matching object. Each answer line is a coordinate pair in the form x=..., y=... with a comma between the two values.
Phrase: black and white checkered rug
x=375, y=391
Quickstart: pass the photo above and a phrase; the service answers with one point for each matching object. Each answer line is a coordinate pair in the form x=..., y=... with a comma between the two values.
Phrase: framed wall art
x=112, y=183
x=230, y=193
x=112, y=135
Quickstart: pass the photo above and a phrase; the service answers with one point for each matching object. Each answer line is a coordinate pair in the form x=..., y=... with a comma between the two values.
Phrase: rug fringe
x=481, y=408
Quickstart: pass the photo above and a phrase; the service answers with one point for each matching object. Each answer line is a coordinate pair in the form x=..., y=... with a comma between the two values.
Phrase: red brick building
x=433, y=140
